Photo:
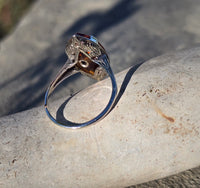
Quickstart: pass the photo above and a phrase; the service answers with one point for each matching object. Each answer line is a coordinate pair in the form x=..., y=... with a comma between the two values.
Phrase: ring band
x=88, y=56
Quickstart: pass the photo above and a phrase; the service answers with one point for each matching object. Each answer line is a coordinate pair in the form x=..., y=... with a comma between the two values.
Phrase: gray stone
x=152, y=132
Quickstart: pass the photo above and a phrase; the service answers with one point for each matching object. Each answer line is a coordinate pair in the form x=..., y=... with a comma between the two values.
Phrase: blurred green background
x=10, y=13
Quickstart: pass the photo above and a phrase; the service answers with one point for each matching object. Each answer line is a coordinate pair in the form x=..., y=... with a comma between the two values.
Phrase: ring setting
x=86, y=55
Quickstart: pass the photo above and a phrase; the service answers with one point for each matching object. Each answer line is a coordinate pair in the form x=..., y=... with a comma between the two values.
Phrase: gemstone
x=83, y=35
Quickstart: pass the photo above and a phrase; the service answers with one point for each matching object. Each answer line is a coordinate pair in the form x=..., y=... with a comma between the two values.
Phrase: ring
x=88, y=56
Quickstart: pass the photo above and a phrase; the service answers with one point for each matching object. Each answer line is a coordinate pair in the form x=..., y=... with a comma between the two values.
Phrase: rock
x=152, y=132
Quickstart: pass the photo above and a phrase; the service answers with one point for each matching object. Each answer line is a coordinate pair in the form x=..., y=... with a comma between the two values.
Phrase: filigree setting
x=85, y=52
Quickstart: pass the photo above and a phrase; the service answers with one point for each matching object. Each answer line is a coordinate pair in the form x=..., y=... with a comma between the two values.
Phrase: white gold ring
x=88, y=56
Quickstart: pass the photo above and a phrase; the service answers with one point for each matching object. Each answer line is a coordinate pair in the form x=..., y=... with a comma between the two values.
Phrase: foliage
x=10, y=13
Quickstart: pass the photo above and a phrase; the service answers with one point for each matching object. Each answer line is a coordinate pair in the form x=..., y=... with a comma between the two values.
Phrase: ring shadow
x=36, y=77
x=60, y=112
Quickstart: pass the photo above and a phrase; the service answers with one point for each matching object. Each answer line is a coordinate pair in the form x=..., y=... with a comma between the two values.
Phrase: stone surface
x=32, y=55
x=152, y=132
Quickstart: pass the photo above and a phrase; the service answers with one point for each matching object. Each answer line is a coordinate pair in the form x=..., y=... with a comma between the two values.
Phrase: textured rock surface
x=32, y=55
x=152, y=132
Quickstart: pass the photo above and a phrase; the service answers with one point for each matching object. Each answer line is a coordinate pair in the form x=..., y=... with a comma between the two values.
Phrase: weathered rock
x=152, y=132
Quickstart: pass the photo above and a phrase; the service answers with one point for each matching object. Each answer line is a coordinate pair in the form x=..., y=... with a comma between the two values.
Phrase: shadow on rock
x=38, y=76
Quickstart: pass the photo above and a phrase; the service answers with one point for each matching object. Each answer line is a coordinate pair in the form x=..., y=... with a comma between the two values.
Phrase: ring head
x=83, y=50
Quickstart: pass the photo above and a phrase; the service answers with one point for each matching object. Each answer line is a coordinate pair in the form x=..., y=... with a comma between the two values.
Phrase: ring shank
x=69, y=70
